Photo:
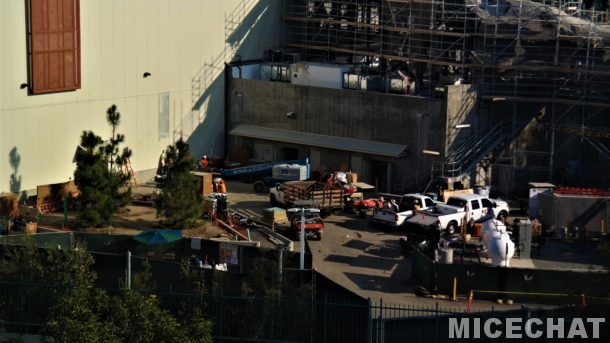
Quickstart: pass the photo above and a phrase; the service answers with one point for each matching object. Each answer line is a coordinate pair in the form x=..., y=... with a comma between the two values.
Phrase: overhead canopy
x=153, y=237
x=322, y=141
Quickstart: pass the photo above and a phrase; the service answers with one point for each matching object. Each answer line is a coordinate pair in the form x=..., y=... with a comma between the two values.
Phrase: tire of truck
x=451, y=228
x=319, y=236
x=502, y=216
x=259, y=187
x=272, y=199
x=362, y=213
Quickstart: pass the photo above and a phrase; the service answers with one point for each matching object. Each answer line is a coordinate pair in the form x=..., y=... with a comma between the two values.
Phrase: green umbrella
x=154, y=237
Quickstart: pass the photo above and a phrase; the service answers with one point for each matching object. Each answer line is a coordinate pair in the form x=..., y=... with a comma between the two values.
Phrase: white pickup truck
x=460, y=208
x=408, y=204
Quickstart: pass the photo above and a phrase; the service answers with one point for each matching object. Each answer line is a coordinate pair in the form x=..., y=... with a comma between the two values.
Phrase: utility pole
x=302, y=238
x=302, y=243
x=280, y=261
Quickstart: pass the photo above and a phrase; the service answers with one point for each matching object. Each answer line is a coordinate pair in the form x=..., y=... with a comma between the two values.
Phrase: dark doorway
x=380, y=175
x=290, y=153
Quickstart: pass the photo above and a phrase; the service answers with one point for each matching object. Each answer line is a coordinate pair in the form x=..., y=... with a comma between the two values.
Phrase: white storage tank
x=497, y=242
x=290, y=172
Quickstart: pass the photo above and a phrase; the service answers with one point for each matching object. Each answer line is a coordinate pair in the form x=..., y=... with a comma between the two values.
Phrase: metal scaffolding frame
x=550, y=52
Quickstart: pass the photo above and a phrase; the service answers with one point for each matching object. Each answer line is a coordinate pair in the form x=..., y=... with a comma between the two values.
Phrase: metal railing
x=27, y=306
x=465, y=157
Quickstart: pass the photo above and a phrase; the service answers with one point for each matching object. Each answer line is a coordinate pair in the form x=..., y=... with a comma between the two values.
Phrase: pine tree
x=99, y=176
x=179, y=204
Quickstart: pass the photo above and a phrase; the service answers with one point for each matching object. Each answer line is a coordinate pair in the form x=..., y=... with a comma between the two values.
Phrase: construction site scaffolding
x=550, y=52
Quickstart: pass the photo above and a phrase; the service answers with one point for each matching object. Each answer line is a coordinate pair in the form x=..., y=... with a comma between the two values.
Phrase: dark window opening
x=475, y=204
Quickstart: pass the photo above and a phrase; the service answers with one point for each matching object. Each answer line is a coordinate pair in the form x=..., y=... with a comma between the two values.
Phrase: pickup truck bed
x=408, y=204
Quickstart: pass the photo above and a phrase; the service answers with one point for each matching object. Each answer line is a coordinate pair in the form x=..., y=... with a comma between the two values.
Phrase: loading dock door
x=263, y=151
x=290, y=153
x=380, y=175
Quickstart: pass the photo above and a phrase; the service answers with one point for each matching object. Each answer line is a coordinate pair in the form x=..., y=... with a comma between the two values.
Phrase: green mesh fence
x=54, y=240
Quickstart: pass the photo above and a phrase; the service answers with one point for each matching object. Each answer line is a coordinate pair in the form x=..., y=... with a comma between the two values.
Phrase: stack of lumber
x=144, y=199
x=275, y=215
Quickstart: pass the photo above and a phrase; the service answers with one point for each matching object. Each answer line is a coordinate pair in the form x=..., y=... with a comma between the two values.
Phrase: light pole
x=302, y=239
x=419, y=117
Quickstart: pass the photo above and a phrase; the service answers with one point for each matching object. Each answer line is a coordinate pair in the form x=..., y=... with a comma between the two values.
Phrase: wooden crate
x=205, y=182
x=50, y=198
x=31, y=228
x=9, y=205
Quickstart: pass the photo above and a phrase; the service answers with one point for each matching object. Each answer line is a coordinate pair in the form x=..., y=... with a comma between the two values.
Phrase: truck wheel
x=502, y=216
x=451, y=228
x=259, y=187
x=272, y=200
x=319, y=236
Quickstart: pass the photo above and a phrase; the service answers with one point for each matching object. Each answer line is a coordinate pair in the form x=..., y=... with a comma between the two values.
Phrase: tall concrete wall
x=120, y=41
x=461, y=110
x=344, y=113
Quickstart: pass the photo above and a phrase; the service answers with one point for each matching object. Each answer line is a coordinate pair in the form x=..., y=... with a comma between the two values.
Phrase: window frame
x=474, y=203
x=33, y=66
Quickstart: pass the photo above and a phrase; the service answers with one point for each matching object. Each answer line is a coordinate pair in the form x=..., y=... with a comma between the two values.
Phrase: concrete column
x=389, y=178
x=525, y=239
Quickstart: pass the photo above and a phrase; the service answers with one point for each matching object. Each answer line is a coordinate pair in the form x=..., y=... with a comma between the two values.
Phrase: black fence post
x=379, y=321
x=220, y=313
x=370, y=322
x=22, y=308
x=436, y=318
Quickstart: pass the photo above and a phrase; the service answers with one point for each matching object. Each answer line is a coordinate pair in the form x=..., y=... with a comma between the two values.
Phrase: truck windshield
x=456, y=202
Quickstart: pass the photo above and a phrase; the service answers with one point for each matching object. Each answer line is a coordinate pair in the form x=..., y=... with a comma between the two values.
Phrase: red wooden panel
x=54, y=45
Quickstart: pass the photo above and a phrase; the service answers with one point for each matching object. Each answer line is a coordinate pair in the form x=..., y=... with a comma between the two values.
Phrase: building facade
x=379, y=135
x=64, y=62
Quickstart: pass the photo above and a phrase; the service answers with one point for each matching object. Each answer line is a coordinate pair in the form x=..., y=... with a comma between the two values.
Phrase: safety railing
x=474, y=149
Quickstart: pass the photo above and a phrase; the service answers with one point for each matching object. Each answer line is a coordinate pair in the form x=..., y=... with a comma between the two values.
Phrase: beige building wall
x=120, y=40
